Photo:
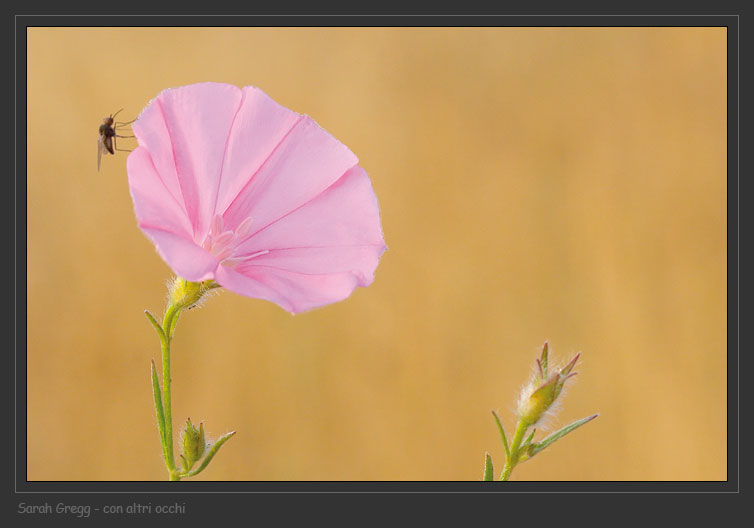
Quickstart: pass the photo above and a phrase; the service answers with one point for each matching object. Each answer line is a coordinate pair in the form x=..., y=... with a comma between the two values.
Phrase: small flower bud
x=538, y=400
x=187, y=294
x=193, y=444
x=541, y=391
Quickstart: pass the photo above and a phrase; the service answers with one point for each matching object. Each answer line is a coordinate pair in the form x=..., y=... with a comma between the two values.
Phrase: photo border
x=31, y=490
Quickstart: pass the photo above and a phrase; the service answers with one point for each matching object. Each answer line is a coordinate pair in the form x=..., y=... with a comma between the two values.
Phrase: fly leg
x=115, y=142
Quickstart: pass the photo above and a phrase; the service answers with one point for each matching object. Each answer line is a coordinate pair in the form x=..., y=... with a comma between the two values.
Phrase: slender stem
x=182, y=294
x=168, y=324
x=512, y=460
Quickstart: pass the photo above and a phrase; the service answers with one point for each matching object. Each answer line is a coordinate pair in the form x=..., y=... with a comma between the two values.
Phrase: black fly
x=107, y=144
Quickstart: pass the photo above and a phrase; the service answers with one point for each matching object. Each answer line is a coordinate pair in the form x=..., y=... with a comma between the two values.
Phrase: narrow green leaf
x=529, y=438
x=156, y=325
x=502, y=435
x=543, y=361
x=159, y=410
x=488, y=471
x=172, y=325
x=536, y=448
x=212, y=452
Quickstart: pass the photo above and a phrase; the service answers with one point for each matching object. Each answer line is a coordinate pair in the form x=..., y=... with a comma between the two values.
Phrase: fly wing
x=101, y=149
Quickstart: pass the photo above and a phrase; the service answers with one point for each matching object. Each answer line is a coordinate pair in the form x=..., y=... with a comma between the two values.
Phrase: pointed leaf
x=173, y=322
x=502, y=435
x=536, y=448
x=212, y=452
x=526, y=447
x=488, y=471
x=155, y=324
x=543, y=361
x=159, y=410
x=569, y=367
x=185, y=464
x=529, y=438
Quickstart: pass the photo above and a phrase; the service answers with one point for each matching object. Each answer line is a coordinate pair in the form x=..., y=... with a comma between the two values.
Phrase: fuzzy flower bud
x=187, y=294
x=193, y=444
x=542, y=390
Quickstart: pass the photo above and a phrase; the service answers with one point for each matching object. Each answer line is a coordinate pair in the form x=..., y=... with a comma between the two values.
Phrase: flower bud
x=539, y=395
x=187, y=294
x=193, y=444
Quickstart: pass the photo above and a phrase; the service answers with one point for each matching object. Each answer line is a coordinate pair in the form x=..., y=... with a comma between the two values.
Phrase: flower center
x=223, y=243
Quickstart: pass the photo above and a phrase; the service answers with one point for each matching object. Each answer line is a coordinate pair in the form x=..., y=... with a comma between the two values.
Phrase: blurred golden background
x=535, y=183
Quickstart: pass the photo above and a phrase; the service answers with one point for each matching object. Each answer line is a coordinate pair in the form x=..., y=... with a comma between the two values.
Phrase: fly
x=107, y=144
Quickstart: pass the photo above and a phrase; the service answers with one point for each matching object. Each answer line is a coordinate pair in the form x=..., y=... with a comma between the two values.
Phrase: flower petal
x=154, y=204
x=360, y=261
x=164, y=220
x=293, y=292
x=305, y=163
x=197, y=123
x=339, y=231
x=152, y=134
x=188, y=260
x=259, y=127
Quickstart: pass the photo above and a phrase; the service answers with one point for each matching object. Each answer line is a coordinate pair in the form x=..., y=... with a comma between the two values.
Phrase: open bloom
x=231, y=186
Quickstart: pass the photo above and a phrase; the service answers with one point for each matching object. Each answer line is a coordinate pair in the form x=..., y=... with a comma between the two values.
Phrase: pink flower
x=231, y=186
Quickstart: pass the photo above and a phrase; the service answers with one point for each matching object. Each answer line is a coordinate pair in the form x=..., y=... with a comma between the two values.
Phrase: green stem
x=512, y=460
x=168, y=324
x=183, y=294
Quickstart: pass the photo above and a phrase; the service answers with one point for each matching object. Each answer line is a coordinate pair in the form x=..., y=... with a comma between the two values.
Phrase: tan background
x=565, y=184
